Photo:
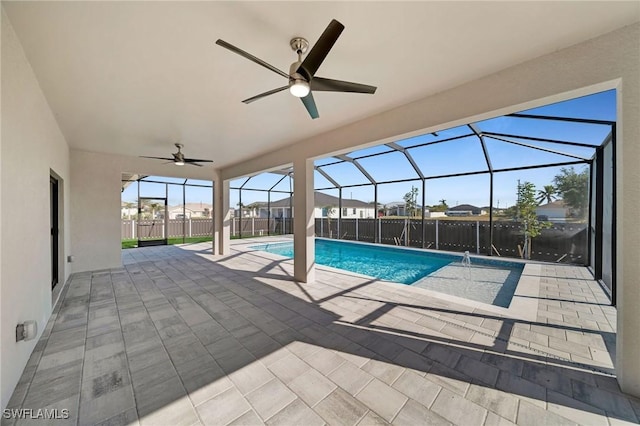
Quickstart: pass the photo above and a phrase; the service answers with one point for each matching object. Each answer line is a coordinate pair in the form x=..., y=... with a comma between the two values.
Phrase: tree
x=410, y=201
x=153, y=207
x=254, y=207
x=573, y=189
x=411, y=208
x=240, y=209
x=442, y=207
x=511, y=212
x=546, y=195
x=329, y=210
x=526, y=210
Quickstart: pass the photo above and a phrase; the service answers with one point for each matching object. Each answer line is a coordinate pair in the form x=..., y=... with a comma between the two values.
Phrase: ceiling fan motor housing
x=179, y=156
x=299, y=45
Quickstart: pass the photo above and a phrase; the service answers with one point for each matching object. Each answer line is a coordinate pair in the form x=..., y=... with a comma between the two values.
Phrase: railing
x=153, y=229
x=200, y=227
x=565, y=242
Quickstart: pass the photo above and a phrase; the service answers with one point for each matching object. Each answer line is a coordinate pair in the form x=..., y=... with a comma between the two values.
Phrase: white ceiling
x=132, y=78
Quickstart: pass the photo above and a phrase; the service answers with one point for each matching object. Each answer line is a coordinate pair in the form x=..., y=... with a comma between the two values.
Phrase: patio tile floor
x=178, y=336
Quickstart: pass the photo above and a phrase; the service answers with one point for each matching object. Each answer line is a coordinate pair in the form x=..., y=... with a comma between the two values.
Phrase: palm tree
x=254, y=208
x=546, y=195
x=329, y=210
x=153, y=207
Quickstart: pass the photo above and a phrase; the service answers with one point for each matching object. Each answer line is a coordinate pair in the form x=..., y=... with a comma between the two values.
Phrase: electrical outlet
x=27, y=330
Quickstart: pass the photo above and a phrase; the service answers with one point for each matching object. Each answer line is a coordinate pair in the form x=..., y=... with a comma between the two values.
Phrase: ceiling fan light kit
x=302, y=79
x=299, y=88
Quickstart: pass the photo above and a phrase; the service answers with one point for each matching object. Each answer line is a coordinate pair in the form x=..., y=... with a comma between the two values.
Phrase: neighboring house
x=555, y=211
x=132, y=212
x=350, y=208
x=128, y=212
x=496, y=210
x=396, y=208
x=256, y=209
x=399, y=208
x=465, y=210
x=190, y=211
x=434, y=215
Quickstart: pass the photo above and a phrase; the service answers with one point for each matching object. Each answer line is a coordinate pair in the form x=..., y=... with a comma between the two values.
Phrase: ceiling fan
x=179, y=159
x=302, y=73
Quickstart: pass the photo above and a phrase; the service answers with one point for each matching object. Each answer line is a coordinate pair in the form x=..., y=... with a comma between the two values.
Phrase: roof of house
x=323, y=200
x=395, y=204
x=558, y=204
x=463, y=208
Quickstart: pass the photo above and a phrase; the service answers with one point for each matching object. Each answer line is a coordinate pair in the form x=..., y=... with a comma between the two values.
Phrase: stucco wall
x=95, y=205
x=32, y=146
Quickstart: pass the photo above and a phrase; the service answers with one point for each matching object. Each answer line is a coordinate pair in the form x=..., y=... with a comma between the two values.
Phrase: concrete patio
x=178, y=336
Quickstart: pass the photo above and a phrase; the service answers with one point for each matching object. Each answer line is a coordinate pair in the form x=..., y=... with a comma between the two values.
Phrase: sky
x=458, y=156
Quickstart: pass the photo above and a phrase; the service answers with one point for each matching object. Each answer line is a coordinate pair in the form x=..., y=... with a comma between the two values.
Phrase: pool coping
x=524, y=304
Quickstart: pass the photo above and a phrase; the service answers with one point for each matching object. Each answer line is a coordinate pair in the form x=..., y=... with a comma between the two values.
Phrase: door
x=54, y=229
x=152, y=226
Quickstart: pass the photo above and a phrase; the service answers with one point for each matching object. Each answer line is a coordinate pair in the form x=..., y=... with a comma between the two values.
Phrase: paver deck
x=178, y=336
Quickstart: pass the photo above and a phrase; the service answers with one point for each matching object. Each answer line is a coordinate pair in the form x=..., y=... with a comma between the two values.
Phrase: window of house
x=345, y=211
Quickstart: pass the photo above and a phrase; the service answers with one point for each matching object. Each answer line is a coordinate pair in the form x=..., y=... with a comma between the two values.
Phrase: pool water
x=490, y=281
x=402, y=266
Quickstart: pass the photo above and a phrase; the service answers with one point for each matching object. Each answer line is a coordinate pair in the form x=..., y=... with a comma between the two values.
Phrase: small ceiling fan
x=179, y=159
x=302, y=73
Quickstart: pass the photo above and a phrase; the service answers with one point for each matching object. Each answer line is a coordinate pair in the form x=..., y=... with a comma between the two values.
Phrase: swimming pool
x=487, y=281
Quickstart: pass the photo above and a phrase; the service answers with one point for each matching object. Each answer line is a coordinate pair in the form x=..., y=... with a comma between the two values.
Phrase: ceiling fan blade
x=310, y=105
x=330, y=85
x=195, y=160
x=320, y=50
x=262, y=95
x=157, y=158
x=250, y=57
x=189, y=163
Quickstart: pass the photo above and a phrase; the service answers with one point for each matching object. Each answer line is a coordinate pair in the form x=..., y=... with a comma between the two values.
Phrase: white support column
x=627, y=151
x=221, y=236
x=303, y=241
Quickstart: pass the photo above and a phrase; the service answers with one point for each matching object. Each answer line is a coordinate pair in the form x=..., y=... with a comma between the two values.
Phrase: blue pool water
x=489, y=281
